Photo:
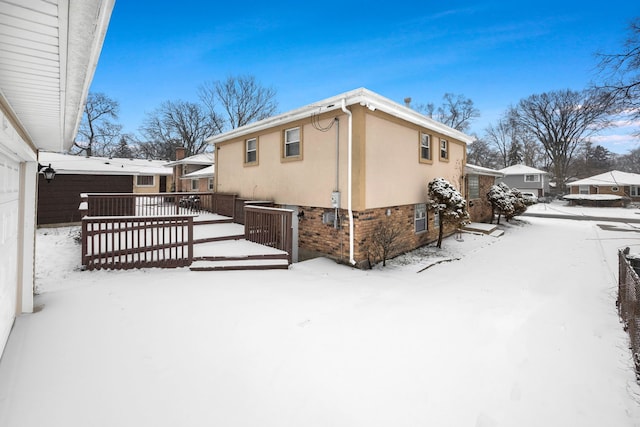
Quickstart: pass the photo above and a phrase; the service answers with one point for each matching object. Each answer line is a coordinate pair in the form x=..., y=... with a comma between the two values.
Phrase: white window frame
x=532, y=178
x=444, y=149
x=420, y=218
x=634, y=191
x=195, y=184
x=288, y=143
x=210, y=184
x=153, y=180
x=248, y=151
x=584, y=189
x=425, y=144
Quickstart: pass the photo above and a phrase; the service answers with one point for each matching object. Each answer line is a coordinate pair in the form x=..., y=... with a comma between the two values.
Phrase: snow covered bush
x=506, y=201
x=448, y=204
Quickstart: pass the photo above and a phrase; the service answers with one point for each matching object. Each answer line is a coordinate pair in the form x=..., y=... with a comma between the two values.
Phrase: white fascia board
x=360, y=96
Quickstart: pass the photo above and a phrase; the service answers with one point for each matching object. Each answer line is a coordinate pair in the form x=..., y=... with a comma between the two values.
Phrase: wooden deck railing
x=126, y=242
x=156, y=204
x=269, y=226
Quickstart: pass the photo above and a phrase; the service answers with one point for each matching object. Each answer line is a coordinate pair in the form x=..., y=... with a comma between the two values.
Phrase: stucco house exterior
x=347, y=165
x=50, y=51
x=184, y=166
x=526, y=178
x=80, y=174
x=478, y=181
x=624, y=185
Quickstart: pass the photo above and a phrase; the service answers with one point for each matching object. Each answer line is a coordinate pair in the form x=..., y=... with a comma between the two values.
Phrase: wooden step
x=218, y=239
x=249, y=262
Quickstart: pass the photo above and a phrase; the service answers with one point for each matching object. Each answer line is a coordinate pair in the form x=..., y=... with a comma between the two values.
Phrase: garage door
x=9, y=209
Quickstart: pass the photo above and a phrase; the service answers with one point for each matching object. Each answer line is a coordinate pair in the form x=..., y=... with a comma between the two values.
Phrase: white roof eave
x=360, y=96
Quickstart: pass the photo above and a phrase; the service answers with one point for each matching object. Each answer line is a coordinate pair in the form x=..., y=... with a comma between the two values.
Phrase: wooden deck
x=219, y=244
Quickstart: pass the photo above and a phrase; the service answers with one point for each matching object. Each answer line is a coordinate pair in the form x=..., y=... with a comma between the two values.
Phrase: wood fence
x=126, y=242
x=269, y=226
x=629, y=302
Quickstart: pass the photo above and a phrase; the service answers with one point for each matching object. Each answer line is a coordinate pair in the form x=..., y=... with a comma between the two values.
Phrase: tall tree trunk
x=440, y=231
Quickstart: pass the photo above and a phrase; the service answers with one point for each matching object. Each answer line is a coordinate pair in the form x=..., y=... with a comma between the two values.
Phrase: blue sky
x=495, y=53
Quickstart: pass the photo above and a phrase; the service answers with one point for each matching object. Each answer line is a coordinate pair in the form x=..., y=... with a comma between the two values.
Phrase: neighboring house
x=348, y=165
x=200, y=180
x=49, y=53
x=478, y=181
x=80, y=174
x=624, y=185
x=183, y=166
x=526, y=178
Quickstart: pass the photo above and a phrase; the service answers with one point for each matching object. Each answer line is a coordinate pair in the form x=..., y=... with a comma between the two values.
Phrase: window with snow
x=144, y=180
x=420, y=217
x=292, y=143
x=425, y=146
x=532, y=178
x=251, y=150
x=444, y=149
x=474, y=186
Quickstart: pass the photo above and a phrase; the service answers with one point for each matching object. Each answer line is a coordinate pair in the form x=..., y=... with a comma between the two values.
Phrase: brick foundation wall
x=317, y=238
x=481, y=209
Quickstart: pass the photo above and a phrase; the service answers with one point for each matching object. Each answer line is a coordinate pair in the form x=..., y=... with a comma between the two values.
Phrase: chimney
x=407, y=102
x=180, y=152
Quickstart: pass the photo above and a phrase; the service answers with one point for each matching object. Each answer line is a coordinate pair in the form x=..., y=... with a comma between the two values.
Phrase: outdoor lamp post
x=48, y=172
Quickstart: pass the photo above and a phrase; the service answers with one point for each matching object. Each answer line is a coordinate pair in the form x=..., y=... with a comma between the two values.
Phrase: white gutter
x=349, y=184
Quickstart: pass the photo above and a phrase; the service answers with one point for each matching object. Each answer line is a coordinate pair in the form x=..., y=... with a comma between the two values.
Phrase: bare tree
x=178, y=124
x=561, y=120
x=98, y=131
x=621, y=72
x=242, y=98
x=501, y=136
x=384, y=242
x=479, y=153
x=456, y=111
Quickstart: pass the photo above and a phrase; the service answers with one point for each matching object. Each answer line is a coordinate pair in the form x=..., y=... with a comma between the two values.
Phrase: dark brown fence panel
x=147, y=205
x=628, y=303
x=269, y=226
x=225, y=204
x=136, y=242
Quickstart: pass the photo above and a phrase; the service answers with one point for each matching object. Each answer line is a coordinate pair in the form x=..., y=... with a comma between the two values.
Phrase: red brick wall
x=316, y=238
x=481, y=209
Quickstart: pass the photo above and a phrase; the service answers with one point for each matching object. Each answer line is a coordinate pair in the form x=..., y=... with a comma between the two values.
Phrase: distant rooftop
x=82, y=165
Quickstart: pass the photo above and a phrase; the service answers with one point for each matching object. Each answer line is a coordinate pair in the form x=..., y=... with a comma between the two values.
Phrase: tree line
x=552, y=131
x=222, y=105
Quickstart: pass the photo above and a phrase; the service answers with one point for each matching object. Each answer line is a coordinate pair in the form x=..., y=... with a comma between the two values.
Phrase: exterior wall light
x=48, y=172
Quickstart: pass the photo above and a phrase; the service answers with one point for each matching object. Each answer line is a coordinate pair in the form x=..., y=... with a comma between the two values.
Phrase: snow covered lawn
x=520, y=330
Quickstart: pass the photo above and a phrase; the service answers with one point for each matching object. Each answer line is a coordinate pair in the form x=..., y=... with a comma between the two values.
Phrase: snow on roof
x=201, y=173
x=612, y=178
x=592, y=197
x=361, y=96
x=521, y=170
x=479, y=170
x=196, y=159
x=66, y=164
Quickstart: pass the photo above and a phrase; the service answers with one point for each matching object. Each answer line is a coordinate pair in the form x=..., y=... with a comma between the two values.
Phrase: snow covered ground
x=520, y=330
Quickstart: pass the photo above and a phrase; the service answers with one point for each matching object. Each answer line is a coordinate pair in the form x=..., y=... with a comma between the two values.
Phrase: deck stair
x=481, y=227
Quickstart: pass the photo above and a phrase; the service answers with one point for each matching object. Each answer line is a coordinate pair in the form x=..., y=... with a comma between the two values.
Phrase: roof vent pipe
x=407, y=102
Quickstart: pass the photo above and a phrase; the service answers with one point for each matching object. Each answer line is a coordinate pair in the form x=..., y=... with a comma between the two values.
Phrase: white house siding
x=9, y=210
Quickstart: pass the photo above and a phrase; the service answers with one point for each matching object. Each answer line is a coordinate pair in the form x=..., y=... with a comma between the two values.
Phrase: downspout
x=349, y=183
x=336, y=211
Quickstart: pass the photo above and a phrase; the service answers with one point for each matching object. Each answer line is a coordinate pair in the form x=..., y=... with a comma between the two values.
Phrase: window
x=436, y=220
x=292, y=142
x=425, y=147
x=444, y=149
x=420, y=217
x=251, y=150
x=474, y=187
x=532, y=178
x=635, y=191
x=210, y=184
x=195, y=184
x=144, y=180
x=583, y=189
